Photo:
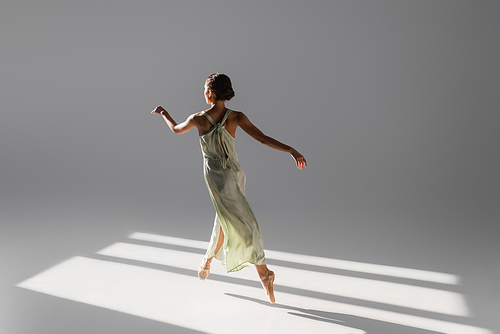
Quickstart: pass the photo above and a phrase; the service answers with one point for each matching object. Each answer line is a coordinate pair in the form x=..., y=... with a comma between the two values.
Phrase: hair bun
x=228, y=95
x=220, y=84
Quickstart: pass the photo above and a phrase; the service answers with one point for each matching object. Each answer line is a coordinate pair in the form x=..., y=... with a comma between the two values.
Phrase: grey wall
x=393, y=103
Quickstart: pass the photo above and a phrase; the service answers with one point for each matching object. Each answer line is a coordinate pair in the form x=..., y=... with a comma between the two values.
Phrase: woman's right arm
x=258, y=135
x=178, y=129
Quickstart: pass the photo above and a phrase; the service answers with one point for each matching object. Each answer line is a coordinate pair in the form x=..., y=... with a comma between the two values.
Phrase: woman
x=236, y=238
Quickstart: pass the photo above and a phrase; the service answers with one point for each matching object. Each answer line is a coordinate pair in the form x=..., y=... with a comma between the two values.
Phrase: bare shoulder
x=237, y=116
x=197, y=116
x=236, y=113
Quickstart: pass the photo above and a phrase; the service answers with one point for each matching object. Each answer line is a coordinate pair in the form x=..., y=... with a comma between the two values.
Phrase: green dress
x=226, y=183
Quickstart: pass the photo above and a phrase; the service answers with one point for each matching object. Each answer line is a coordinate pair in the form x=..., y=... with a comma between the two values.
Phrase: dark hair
x=220, y=84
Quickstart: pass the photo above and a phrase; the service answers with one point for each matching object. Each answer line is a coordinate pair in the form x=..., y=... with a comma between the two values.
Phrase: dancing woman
x=236, y=238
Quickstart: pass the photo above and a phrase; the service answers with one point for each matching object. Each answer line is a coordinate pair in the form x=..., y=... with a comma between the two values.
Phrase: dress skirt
x=242, y=238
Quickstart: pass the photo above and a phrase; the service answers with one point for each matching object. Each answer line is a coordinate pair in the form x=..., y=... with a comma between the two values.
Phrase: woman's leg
x=220, y=242
x=204, y=269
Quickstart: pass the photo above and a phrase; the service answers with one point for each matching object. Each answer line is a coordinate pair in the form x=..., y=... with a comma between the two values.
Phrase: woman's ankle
x=263, y=272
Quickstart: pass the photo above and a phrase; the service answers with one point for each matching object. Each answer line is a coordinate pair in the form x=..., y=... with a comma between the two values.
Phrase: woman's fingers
x=301, y=163
x=299, y=160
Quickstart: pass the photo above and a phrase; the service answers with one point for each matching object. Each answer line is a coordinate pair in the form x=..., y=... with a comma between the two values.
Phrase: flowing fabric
x=226, y=183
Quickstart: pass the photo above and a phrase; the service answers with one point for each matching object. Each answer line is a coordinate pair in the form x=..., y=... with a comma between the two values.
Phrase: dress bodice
x=217, y=143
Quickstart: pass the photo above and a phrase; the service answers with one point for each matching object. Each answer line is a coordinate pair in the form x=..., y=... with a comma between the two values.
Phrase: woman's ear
x=211, y=94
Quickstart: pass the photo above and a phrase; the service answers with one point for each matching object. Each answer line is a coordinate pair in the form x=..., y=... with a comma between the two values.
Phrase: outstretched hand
x=299, y=160
x=158, y=110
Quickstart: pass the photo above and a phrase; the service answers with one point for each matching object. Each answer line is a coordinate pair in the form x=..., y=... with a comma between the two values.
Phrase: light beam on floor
x=404, y=295
x=185, y=301
x=369, y=268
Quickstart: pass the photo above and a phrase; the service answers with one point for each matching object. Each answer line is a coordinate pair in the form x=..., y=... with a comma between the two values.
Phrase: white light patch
x=416, y=274
x=171, y=298
x=404, y=295
x=190, y=303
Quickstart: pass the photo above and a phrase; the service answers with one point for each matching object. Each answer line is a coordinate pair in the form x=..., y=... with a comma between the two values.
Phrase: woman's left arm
x=178, y=129
x=258, y=135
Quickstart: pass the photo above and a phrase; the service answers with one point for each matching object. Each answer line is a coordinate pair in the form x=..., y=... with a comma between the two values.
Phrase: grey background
x=393, y=103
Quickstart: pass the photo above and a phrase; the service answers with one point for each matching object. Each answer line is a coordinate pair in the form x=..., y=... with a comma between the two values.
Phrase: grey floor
x=39, y=244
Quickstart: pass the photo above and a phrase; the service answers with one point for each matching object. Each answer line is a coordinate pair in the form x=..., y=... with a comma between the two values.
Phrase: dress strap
x=218, y=132
x=209, y=118
x=225, y=116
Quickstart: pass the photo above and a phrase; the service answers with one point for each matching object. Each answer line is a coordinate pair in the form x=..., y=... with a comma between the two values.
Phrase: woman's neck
x=218, y=105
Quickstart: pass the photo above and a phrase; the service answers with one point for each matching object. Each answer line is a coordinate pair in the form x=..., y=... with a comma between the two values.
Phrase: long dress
x=226, y=183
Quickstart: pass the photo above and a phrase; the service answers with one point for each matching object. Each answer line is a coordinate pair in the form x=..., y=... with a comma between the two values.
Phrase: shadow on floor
x=370, y=326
